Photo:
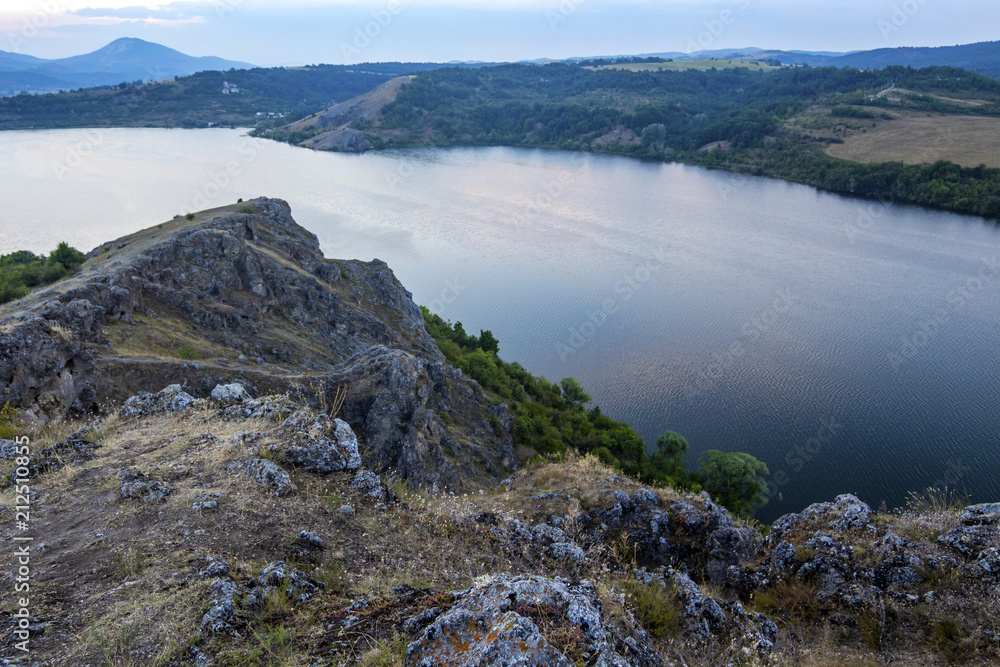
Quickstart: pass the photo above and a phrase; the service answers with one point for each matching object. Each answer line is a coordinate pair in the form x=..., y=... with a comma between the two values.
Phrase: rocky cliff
x=244, y=293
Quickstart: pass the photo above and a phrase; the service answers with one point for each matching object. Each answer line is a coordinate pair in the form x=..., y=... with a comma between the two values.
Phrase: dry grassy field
x=964, y=140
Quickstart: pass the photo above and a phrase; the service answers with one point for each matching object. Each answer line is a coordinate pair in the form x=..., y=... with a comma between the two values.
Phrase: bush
x=22, y=270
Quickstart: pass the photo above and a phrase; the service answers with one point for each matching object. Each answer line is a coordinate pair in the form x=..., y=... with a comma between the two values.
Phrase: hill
x=229, y=450
x=126, y=59
x=315, y=485
x=783, y=123
x=248, y=98
x=982, y=58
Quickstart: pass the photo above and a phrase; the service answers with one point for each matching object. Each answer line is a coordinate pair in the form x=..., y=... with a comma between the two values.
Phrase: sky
x=299, y=32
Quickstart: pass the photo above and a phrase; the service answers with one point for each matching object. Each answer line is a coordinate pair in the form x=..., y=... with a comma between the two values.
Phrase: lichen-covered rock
x=371, y=486
x=137, y=485
x=566, y=551
x=214, y=568
x=230, y=393
x=169, y=399
x=491, y=624
x=296, y=585
x=267, y=474
x=222, y=615
x=317, y=443
x=971, y=540
x=987, y=513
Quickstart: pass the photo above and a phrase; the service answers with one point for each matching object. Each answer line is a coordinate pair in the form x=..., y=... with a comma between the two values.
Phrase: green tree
x=734, y=479
x=70, y=258
x=654, y=135
x=488, y=342
x=573, y=391
x=670, y=450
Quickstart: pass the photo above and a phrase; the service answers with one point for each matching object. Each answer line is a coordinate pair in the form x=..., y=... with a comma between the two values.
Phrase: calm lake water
x=852, y=346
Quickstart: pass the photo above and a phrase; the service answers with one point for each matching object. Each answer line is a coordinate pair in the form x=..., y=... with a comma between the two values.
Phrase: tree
x=734, y=479
x=488, y=342
x=654, y=135
x=573, y=392
x=670, y=449
x=69, y=257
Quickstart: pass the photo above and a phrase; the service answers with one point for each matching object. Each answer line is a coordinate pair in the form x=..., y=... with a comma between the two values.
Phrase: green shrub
x=22, y=270
x=656, y=608
x=188, y=352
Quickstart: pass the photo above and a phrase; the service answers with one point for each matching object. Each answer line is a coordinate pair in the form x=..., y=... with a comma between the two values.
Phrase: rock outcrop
x=244, y=300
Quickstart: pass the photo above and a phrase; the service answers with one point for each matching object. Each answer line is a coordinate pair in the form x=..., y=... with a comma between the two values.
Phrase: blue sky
x=295, y=32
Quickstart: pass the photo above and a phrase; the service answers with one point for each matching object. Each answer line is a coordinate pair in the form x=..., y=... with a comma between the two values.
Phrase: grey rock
x=214, y=568
x=317, y=443
x=222, y=616
x=267, y=474
x=230, y=393
x=987, y=513
x=169, y=399
x=566, y=551
x=297, y=585
x=971, y=540
x=137, y=485
x=488, y=628
x=347, y=509
x=205, y=505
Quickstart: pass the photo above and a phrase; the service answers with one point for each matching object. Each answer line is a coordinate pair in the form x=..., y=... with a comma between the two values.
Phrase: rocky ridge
x=244, y=293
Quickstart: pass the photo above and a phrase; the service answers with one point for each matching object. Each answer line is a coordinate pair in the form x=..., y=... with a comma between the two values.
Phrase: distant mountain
x=125, y=59
x=982, y=57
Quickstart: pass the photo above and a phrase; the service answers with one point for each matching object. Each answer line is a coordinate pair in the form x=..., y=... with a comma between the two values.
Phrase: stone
x=169, y=399
x=222, y=615
x=317, y=443
x=491, y=624
x=987, y=513
x=136, y=485
x=566, y=551
x=267, y=474
x=971, y=540
x=297, y=585
x=230, y=393
x=205, y=505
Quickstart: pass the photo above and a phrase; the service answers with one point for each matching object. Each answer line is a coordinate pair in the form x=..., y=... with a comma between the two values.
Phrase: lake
x=851, y=345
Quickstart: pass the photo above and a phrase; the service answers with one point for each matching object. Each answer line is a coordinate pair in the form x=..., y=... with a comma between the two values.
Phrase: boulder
x=316, y=443
x=228, y=394
x=267, y=474
x=492, y=625
x=138, y=486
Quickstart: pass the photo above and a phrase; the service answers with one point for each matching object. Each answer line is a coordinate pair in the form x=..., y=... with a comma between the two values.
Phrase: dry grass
x=922, y=139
